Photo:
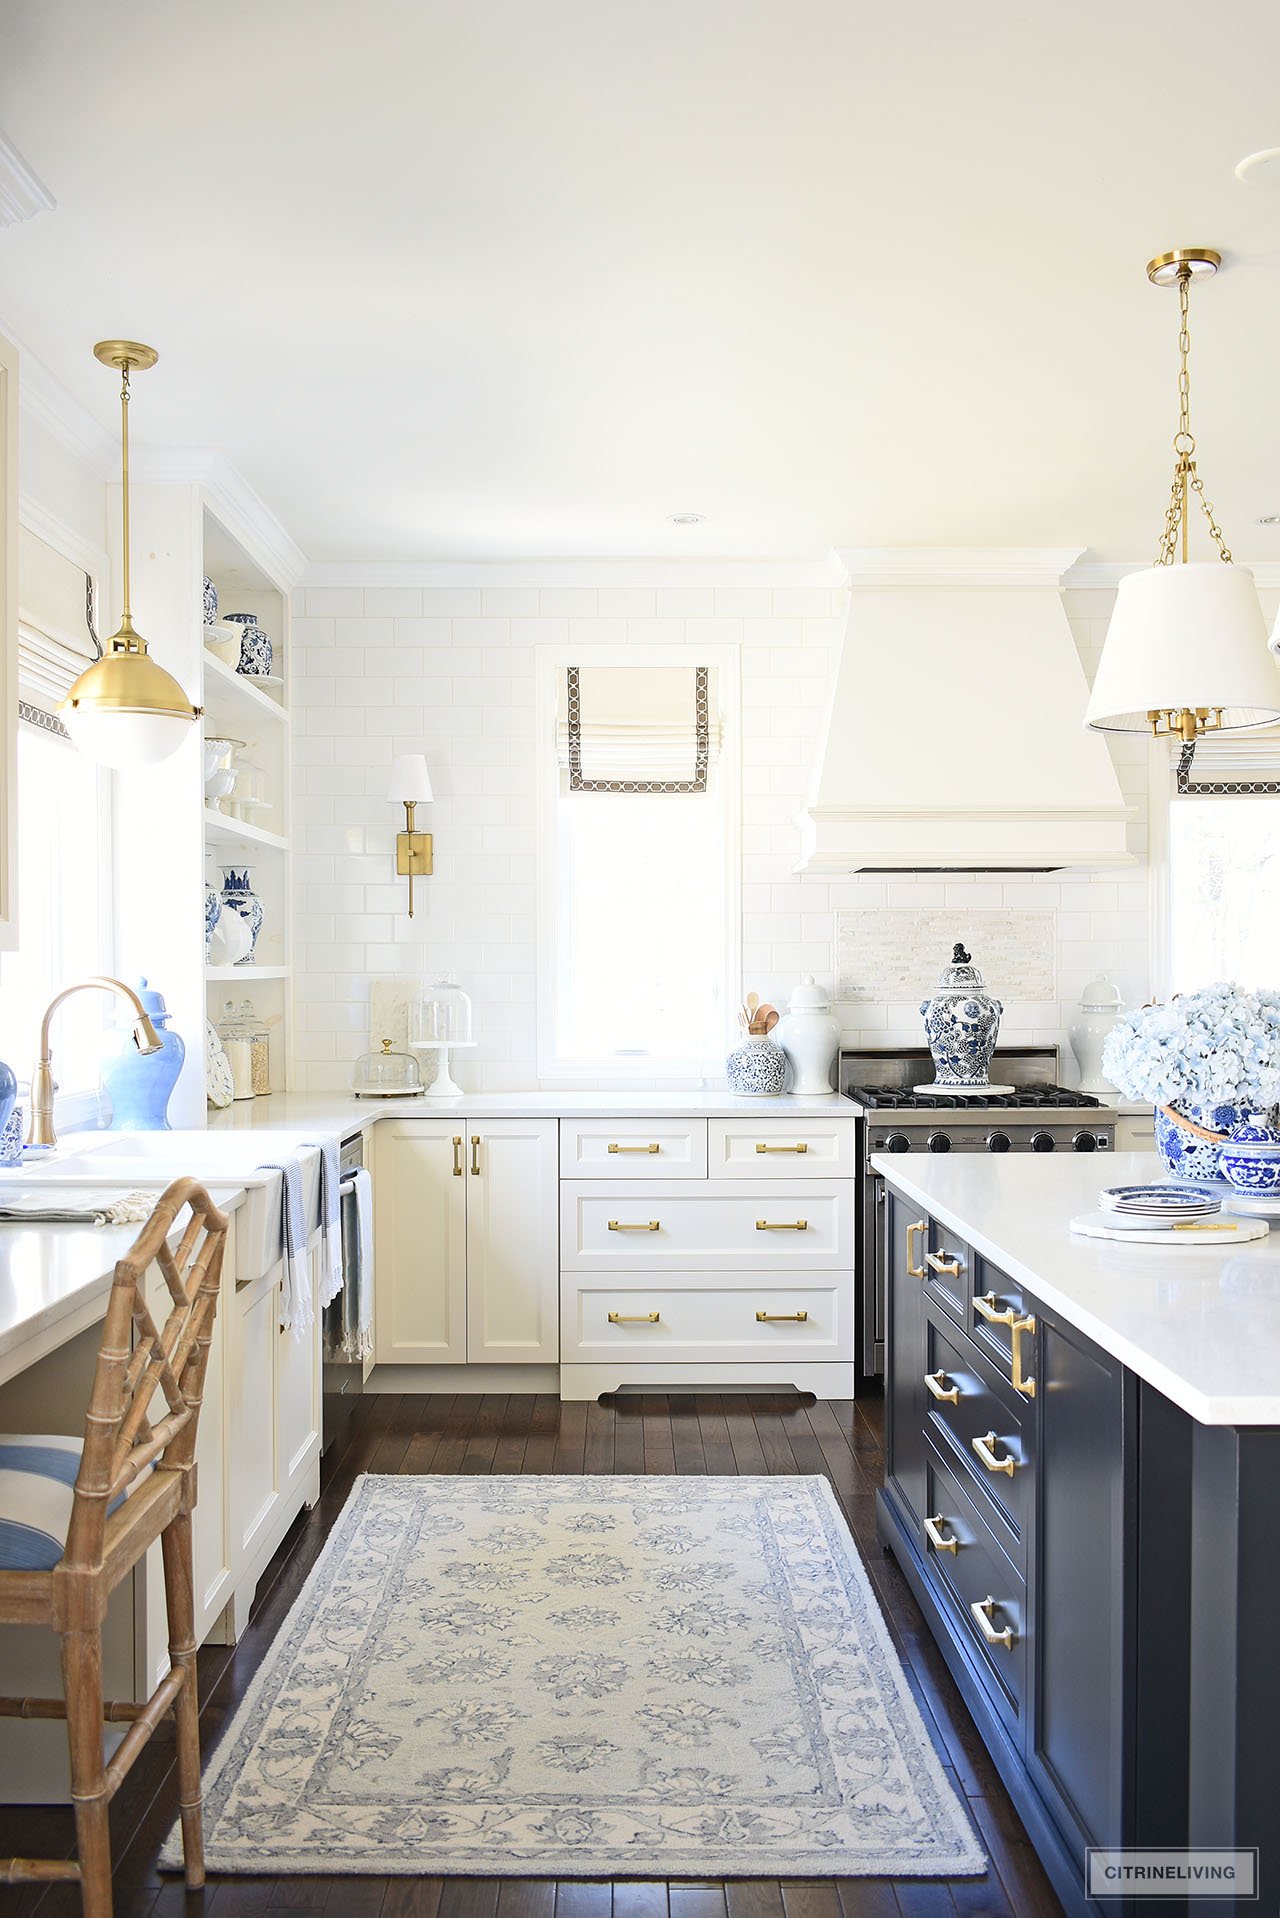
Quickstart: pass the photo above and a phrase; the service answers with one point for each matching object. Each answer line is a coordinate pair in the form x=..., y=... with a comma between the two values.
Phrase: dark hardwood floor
x=494, y=1433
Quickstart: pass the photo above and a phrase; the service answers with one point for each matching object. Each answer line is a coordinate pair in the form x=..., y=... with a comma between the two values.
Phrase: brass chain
x=1185, y=475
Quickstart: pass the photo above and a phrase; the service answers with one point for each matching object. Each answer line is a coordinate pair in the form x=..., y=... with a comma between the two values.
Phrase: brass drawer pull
x=984, y=1305
x=457, y=1155
x=1021, y=1383
x=914, y=1271
x=475, y=1155
x=982, y=1609
x=948, y=1395
x=620, y=1225
x=787, y=1225
x=782, y=1148
x=635, y=1148
x=982, y=1446
x=634, y=1318
x=781, y=1318
x=933, y=1532
x=952, y=1267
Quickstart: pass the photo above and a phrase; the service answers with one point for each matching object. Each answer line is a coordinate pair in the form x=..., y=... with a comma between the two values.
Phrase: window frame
x=550, y=663
x=1163, y=796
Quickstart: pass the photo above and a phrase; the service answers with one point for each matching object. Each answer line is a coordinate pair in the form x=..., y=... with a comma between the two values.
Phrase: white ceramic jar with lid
x=1100, y=1007
x=810, y=1036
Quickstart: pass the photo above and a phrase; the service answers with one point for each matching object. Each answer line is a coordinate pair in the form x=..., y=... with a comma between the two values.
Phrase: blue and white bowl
x=255, y=646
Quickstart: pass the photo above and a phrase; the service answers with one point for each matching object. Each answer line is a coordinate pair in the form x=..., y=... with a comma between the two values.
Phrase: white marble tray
x=1219, y=1232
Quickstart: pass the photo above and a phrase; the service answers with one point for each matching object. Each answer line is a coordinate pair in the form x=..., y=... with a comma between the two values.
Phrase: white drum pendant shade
x=1185, y=636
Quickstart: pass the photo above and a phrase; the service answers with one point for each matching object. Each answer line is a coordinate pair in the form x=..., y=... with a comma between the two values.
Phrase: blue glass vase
x=139, y=1084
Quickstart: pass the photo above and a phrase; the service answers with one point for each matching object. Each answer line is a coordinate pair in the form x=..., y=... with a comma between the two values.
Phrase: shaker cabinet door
x=513, y=1267
x=420, y=1224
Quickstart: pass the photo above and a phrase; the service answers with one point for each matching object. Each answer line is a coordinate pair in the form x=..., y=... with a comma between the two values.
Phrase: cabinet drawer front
x=973, y=1426
x=780, y=1148
x=723, y=1226
x=633, y=1149
x=699, y=1320
x=948, y=1263
x=976, y=1571
x=994, y=1297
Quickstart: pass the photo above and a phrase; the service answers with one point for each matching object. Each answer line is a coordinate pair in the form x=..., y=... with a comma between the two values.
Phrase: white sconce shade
x=409, y=781
x=1185, y=639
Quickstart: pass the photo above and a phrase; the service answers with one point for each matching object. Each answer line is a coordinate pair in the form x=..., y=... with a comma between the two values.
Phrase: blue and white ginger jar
x=240, y=896
x=961, y=1022
x=1251, y=1156
x=757, y=1068
x=255, y=646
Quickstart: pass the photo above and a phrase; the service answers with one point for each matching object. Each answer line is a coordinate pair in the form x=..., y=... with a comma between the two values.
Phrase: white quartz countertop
x=1199, y=1322
x=54, y=1280
x=342, y=1112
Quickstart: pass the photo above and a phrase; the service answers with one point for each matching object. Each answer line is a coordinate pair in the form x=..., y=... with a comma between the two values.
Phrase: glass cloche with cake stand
x=440, y=1022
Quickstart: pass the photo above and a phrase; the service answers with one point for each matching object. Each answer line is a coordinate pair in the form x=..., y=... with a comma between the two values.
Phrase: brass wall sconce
x=410, y=785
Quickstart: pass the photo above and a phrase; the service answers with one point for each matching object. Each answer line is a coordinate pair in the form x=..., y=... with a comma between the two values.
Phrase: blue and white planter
x=758, y=1068
x=1185, y=1153
x=961, y=1022
x=239, y=895
x=255, y=646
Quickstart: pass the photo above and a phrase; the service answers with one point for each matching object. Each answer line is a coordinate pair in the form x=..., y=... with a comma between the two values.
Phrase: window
x=639, y=860
x=1224, y=864
x=64, y=901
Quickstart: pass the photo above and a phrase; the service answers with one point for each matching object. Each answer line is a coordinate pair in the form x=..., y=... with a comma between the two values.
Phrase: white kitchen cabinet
x=720, y=1225
x=465, y=1222
x=512, y=1269
x=633, y=1148
x=801, y=1148
x=420, y=1234
x=1136, y=1132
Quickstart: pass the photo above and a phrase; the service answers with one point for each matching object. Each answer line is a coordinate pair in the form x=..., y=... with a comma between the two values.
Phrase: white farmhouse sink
x=153, y=1159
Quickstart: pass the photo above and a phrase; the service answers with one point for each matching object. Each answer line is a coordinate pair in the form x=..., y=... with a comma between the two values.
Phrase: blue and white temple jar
x=255, y=646
x=758, y=1068
x=240, y=896
x=210, y=602
x=961, y=1022
x=139, y=1084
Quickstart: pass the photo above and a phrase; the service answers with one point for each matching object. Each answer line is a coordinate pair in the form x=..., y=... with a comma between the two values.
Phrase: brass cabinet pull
x=634, y=1318
x=620, y=1225
x=982, y=1609
x=984, y=1305
x=635, y=1148
x=982, y=1446
x=948, y=1395
x=914, y=1271
x=933, y=1532
x=787, y=1225
x=950, y=1266
x=782, y=1148
x=457, y=1155
x=475, y=1155
x=1021, y=1383
x=781, y=1318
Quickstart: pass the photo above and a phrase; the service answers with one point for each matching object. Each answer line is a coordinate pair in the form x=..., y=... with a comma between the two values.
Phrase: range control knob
x=1042, y=1142
x=939, y=1142
x=1084, y=1142
x=998, y=1142
x=897, y=1142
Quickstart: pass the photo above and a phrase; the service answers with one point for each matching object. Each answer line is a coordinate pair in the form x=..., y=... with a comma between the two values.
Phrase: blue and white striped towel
x=330, y=1217
x=297, y=1308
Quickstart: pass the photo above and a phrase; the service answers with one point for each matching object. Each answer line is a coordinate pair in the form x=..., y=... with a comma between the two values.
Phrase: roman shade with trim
x=637, y=728
x=1227, y=765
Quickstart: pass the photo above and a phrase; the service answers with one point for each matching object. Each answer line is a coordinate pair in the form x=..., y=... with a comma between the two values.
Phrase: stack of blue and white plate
x=1149, y=1206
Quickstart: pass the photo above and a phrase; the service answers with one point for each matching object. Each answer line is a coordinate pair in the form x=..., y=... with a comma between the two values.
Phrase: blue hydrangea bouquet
x=1205, y=1060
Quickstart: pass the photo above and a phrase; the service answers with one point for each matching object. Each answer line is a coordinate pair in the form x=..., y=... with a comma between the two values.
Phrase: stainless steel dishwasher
x=342, y=1374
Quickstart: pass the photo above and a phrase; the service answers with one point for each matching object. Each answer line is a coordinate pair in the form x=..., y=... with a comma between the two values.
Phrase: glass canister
x=441, y=1015
x=259, y=1038
x=236, y=1045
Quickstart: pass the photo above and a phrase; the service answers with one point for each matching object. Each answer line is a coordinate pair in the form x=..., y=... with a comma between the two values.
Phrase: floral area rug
x=591, y=1677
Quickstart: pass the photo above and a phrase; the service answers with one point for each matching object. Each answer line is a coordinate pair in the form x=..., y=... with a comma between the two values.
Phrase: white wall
x=450, y=672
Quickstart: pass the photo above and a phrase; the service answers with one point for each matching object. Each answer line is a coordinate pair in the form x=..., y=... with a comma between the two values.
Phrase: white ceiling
x=477, y=278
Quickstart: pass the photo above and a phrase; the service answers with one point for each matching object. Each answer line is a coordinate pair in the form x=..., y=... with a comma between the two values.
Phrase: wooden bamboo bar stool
x=134, y=1482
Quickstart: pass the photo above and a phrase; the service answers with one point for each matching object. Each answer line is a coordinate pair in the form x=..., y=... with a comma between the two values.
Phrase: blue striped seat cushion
x=37, y=1473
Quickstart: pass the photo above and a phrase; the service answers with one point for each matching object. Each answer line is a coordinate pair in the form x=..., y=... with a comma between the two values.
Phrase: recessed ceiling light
x=1268, y=519
x=1260, y=168
x=686, y=519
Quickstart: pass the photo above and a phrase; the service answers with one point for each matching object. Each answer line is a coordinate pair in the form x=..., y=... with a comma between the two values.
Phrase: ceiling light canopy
x=1186, y=650
x=125, y=710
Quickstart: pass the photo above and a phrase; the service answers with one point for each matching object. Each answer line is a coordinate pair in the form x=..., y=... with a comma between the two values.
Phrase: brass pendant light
x=1186, y=650
x=125, y=710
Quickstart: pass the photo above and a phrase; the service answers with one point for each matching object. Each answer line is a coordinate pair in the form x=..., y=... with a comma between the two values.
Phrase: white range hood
x=955, y=738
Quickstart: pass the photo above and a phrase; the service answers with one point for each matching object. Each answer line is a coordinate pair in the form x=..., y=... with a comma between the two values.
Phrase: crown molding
x=1109, y=573
x=44, y=400
x=23, y=193
x=958, y=565
x=824, y=572
x=64, y=539
x=228, y=496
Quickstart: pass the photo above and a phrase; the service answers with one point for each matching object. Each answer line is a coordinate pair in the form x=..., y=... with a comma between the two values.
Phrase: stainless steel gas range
x=895, y=1116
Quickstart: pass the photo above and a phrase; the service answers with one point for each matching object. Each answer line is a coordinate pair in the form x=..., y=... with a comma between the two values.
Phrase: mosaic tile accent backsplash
x=897, y=956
